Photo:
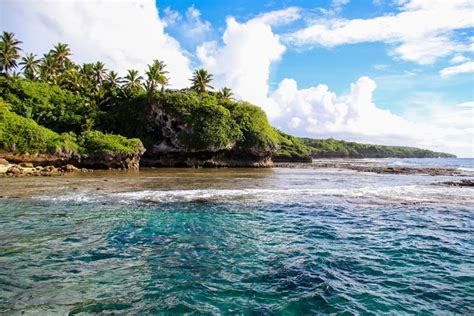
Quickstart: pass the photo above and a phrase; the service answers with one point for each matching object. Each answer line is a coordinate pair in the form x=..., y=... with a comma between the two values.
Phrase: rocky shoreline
x=29, y=169
x=33, y=165
x=366, y=167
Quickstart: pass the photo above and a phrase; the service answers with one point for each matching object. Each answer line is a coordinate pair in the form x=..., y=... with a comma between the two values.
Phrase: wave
x=408, y=194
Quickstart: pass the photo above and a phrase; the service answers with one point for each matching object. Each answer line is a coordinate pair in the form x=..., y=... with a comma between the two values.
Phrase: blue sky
x=381, y=71
x=341, y=65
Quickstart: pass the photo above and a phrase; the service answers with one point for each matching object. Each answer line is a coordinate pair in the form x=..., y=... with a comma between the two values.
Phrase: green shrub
x=20, y=135
x=291, y=147
x=253, y=123
x=338, y=148
x=95, y=142
x=49, y=105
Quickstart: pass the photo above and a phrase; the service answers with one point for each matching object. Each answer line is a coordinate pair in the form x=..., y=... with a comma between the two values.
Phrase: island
x=57, y=116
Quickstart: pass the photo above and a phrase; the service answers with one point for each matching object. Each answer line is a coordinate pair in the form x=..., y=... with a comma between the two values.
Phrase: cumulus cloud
x=243, y=61
x=318, y=112
x=190, y=26
x=123, y=34
x=279, y=17
x=421, y=32
x=467, y=67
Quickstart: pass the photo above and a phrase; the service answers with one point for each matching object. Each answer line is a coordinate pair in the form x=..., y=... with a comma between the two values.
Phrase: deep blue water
x=281, y=241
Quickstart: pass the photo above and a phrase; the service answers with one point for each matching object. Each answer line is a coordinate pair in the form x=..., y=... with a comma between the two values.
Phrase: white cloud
x=318, y=112
x=243, y=61
x=338, y=4
x=467, y=67
x=191, y=26
x=123, y=34
x=279, y=17
x=459, y=59
x=466, y=104
x=421, y=32
x=381, y=67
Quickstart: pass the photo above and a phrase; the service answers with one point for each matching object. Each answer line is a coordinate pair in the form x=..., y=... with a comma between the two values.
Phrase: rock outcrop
x=164, y=129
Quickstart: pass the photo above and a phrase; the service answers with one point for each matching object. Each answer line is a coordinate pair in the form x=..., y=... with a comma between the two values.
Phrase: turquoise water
x=236, y=241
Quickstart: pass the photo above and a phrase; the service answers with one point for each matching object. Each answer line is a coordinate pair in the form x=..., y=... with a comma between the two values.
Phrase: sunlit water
x=263, y=241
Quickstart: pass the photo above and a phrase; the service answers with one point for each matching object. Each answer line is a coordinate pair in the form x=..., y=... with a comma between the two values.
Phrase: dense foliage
x=291, y=148
x=95, y=142
x=339, y=148
x=49, y=105
x=20, y=135
x=213, y=121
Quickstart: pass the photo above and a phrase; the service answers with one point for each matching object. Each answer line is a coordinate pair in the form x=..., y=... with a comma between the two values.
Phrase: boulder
x=69, y=168
x=3, y=162
x=14, y=171
x=26, y=165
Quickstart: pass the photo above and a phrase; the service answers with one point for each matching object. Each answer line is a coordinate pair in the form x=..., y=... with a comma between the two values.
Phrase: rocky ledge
x=29, y=169
x=206, y=159
x=433, y=171
x=53, y=165
x=461, y=183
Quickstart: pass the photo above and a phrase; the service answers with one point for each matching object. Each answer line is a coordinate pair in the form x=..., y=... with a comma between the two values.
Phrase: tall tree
x=47, y=68
x=100, y=73
x=9, y=52
x=133, y=80
x=60, y=53
x=113, y=79
x=201, y=80
x=225, y=93
x=30, y=66
x=156, y=75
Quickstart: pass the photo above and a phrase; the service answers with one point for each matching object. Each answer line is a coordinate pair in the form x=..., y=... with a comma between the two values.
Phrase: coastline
x=47, y=166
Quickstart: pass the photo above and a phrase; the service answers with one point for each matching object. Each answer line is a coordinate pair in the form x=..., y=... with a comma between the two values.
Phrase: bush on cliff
x=97, y=143
x=291, y=149
x=211, y=122
x=22, y=135
x=49, y=105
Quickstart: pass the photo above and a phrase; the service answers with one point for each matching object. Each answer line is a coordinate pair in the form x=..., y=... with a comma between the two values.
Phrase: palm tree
x=113, y=79
x=30, y=66
x=164, y=81
x=156, y=75
x=9, y=51
x=200, y=80
x=99, y=72
x=225, y=93
x=75, y=81
x=61, y=53
x=133, y=79
x=153, y=76
x=47, y=68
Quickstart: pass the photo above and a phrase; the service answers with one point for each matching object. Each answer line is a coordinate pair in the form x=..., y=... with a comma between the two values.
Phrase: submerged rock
x=461, y=183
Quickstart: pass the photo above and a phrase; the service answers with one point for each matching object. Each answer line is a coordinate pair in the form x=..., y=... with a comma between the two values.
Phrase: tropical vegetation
x=51, y=104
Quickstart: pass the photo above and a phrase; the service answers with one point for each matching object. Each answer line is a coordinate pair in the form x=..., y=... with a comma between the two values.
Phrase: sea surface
x=238, y=241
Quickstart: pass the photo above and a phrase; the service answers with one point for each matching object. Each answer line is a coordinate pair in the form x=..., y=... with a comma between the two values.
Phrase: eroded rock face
x=112, y=161
x=164, y=128
x=167, y=151
x=207, y=160
x=67, y=163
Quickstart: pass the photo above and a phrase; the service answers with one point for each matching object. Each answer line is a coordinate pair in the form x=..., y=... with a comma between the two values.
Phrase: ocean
x=239, y=241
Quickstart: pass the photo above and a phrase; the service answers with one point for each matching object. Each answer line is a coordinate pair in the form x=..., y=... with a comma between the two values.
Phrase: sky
x=392, y=72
